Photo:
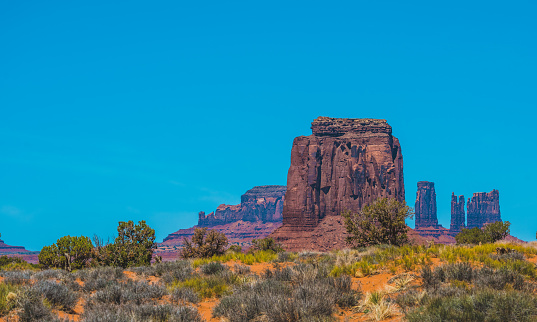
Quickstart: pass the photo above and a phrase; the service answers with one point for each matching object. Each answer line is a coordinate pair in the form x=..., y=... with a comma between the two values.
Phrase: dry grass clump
x=304, y=292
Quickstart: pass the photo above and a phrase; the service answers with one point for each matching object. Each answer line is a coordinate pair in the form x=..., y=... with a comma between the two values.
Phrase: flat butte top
x=328, y=126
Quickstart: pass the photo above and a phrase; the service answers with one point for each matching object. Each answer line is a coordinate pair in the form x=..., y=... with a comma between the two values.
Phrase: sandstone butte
x=342, y=165
x=483, y=208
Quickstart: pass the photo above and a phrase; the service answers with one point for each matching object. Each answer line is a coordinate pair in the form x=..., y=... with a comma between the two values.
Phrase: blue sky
x=156, y=110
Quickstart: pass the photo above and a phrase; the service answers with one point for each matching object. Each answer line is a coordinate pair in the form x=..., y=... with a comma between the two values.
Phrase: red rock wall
x=343, y=165
x=483, y=208
x=426, y=215
x=457, y=214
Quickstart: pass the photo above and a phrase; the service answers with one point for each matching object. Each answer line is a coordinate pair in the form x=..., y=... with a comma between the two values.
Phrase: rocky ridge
x=261, y=203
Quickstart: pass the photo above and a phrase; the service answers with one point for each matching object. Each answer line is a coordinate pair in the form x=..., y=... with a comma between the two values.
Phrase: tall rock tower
x=457, y=214
x=483, y=208
x=343, y=165
x=426, y=205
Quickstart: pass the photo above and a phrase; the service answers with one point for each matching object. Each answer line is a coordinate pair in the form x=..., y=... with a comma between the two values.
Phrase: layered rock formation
x=343, y=165
x=7, y=249
x=258, y=215
x=262, y=203
x=483, y=208
x=426, y=215
x=457, y=214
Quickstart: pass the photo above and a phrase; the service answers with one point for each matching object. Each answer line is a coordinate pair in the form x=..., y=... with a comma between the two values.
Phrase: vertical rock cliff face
x=483, y=208
x=262, y=203
x=426, y=215
x=343, y=165
x=457, y=214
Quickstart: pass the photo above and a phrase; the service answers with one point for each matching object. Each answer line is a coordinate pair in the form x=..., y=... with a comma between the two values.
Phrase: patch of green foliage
x=489, y=234
x=382, y=222
x=67, y=253
x=204, y=244
x=267, y=244
x=133, y=246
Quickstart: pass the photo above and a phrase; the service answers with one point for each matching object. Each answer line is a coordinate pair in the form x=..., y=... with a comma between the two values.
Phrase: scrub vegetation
x=487, y=282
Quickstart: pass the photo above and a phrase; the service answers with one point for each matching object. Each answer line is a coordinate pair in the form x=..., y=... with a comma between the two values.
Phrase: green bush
x=133, y=246
x=204, y=244
x=382, y=222
x=267, y=244
x=67, y=253
x=491, y=233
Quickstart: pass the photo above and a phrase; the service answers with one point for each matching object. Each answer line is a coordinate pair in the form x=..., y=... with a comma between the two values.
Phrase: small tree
x=497, y=231
x=490, y=233
x=204, y=244
x=68, y=253
x=382, y=222
x=133, y=246
x=267, y=244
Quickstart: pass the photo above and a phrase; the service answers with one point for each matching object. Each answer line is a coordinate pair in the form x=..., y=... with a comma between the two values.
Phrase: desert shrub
x=50, y=274
x=212, y=268
x=241, y=269
x=133, y=246
x=267, y=244
x=184, y=294
x=279, y=274
x=382, y=222
x=458, y=271
x=285, y=257
x=204, y=244
x=8, y=297
x=57, y=294
x=483, y=305
x=206, y=287
x=304, y=293
x=410, y=299
x=499, y=279
x=315, y=299
x=377, y=306
x=16, y=277
x=235, y=249
x=98, y=278
x=129, y=292
x=139, y=313
x=510, y=256
x=168, y=271
x=267, y=297
x=33, y=308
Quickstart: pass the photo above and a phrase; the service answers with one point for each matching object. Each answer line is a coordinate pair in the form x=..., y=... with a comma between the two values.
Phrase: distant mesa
x=261, y=203
x=9, y=250
x=258, y=215
x=343, y=165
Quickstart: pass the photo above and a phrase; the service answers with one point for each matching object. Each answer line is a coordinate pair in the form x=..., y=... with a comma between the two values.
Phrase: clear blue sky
x=156, y=110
